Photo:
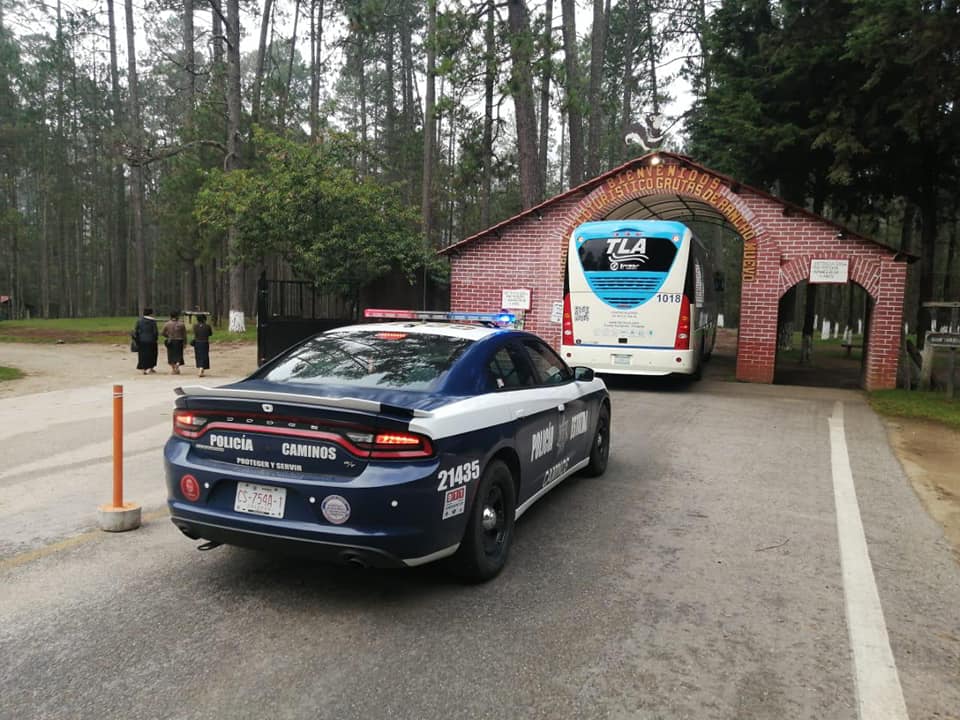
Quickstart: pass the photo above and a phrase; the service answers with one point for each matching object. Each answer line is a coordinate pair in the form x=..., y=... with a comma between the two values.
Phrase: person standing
x=176, y=336
x=145, y=334
x=201, y=343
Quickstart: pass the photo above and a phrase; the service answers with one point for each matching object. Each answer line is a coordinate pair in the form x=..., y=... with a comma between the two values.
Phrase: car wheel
x=486, y=542
x=600, y=449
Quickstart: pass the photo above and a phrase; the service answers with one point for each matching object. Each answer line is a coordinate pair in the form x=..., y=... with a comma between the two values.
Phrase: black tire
x=600, y=447
x=486, y=542
x=698, y=374
x=713, y=344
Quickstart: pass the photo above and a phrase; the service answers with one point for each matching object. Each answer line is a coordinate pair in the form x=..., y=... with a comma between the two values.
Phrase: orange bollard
x=118, y=446
x=118, y=517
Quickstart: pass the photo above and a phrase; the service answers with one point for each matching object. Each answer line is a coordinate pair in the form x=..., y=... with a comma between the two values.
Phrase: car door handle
x=561, y=407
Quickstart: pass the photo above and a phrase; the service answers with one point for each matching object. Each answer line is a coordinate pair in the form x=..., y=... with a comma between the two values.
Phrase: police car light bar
x=502, y=318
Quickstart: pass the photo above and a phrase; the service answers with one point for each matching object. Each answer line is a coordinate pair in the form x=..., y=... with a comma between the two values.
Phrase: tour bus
x=639, y=298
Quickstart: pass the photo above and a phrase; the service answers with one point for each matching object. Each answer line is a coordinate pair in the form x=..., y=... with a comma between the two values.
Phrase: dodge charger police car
x=386, y=444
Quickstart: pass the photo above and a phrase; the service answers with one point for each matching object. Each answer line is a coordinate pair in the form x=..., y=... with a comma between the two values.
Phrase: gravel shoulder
x=928, y=452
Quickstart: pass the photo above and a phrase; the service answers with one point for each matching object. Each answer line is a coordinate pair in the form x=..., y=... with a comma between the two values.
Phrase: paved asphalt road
x=701, y=577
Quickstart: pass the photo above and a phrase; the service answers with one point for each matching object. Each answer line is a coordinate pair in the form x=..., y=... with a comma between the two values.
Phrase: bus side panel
x=704, y=299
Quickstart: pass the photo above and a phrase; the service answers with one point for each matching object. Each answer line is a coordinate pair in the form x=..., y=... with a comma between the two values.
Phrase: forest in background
x=165, y=152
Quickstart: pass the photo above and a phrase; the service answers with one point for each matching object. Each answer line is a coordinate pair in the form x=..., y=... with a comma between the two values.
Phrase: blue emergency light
x=500, y=319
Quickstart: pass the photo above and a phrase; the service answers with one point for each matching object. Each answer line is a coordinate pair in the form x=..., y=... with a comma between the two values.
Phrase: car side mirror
x=583, y=374
x=718, y=281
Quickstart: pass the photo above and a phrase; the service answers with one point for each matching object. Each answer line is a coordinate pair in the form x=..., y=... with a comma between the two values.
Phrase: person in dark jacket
x=176, y=337
x=201, y=343
x=145, y=333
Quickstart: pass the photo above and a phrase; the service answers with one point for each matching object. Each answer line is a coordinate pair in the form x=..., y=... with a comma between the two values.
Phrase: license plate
x=260, y=499
x=621, y=359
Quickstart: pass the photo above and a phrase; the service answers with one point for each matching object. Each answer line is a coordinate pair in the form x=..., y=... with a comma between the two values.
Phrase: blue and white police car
x=387, y=444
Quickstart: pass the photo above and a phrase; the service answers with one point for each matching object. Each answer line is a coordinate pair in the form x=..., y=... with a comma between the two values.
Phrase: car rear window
x=394, y=359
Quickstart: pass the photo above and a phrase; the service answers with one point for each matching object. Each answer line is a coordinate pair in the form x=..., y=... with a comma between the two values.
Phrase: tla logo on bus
x=627, y=253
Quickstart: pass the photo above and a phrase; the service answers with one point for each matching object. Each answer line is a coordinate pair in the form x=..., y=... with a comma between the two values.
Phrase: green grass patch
x=9, y=373
x=102, y=330
x=915, y=404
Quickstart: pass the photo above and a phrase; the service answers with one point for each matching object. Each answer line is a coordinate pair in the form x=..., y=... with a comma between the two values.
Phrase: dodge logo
x=267, y=407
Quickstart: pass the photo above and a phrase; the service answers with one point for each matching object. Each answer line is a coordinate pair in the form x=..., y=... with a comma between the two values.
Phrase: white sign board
x=556, y=312
x=516, y=299
x=829, y=271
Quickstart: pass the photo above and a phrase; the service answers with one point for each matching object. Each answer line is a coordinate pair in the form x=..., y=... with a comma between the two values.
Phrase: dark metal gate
x=289, y=311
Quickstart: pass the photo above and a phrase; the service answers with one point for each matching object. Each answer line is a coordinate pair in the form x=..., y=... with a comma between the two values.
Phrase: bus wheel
x=486, y=542
x=600, y=449
x=698, y=373
x=713, y=344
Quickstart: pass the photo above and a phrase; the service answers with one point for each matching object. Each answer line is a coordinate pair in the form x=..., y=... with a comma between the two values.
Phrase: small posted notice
x=829, y=271
x=556, y=312
x=515, y=299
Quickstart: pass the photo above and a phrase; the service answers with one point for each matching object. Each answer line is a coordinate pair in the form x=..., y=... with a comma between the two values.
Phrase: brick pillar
x=886, y=321
x=759, y=300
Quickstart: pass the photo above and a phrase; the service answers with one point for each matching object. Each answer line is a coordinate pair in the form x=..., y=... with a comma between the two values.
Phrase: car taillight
x=683, y=326
x=392, y=445
x=188, y=424
x=567, y=322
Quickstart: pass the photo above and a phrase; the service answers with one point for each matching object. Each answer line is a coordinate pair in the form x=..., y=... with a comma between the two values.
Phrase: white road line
x=879, y=695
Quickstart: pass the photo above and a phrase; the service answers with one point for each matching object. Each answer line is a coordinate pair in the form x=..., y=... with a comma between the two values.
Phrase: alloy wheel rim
x=493, y=521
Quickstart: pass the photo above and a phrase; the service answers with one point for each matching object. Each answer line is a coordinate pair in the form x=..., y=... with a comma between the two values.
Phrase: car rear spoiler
x=339, y=403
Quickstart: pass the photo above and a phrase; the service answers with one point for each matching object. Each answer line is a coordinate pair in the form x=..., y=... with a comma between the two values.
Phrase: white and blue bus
x=639, y=298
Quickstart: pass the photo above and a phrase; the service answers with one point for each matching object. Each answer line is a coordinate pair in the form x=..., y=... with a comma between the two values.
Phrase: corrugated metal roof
x=668, y=207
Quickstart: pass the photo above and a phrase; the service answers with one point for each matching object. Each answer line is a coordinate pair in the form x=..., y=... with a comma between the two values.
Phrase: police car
x=387, y=444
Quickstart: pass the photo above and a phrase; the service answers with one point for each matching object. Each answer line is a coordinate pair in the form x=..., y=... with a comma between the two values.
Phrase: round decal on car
x=190, y=488
x=335, y=509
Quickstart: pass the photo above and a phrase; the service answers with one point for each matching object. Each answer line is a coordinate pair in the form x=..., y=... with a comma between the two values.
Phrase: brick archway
x=885, y=284
x=780, y=240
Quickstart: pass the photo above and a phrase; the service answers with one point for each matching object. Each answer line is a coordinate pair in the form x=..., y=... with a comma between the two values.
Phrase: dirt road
x=58, y=367
x=929, y=453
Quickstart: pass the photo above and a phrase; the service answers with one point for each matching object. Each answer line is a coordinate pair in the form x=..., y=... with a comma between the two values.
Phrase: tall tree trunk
x=573, y=102
x=45, y=245
x=408, y=109
x=928, y=246
x=362, y=86
x=489, y=78
x=282, y=110
x=316, y=64
x=233, y=161
x=60, y=197
x=189, y=69
x=595, y=100
x=428, y=124
x=136, y=168
x=951, y=253
x=189, y=288
x=261, y=62
x=630, y=44
x=651, y=52
x=390, y=144
x=521, y=87
x=546, y=76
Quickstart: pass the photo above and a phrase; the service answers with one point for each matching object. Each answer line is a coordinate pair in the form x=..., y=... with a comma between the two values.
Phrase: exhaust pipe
x=210, y=545
x=355, y=560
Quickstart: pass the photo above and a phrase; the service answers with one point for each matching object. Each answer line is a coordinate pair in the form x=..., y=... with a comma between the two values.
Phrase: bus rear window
x=622, y=254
